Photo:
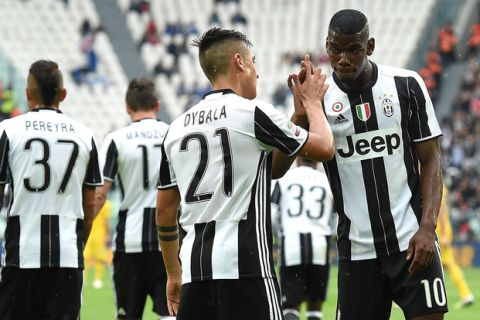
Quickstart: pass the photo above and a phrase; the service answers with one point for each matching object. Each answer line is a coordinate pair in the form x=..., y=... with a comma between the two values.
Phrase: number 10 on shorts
x=438, y=292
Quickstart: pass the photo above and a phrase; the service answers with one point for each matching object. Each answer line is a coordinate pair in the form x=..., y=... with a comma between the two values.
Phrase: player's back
x=304, y=212
x=219, y=157
x=133, y=155
x=306, y=201
x=50, y=158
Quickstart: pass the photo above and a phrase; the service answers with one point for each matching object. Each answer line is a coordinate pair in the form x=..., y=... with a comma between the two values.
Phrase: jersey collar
x=141, y=119
x=222, y=91
x=37, y=109
x=368, y=87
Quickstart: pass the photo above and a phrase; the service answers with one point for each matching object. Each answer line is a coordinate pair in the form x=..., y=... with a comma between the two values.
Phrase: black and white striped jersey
x=133, y=155
x=303, y=205
x=219, y=156
x=47, y=158
x=374, y=175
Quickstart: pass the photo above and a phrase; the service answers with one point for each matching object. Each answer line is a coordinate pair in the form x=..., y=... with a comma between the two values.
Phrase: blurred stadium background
x=100, y=44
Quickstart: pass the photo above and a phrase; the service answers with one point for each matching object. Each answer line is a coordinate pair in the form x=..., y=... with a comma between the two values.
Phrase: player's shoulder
x=390, y=71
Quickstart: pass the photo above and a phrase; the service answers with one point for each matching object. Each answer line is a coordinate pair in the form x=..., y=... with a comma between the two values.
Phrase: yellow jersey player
x=445, y=237
x=96, y=253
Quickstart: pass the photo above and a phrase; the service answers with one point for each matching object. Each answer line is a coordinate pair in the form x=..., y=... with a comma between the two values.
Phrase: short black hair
x=141, y=95
x=348, y=21
x=214, y=49
x=48, y=79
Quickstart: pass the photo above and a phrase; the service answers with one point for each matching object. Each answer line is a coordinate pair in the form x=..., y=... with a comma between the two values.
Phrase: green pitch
x=98, y=304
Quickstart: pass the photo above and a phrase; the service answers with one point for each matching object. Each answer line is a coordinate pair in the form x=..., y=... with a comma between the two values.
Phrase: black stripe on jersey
x=164, y=178
x=49, y=241
x=268, y=133
x=110, y=168
x=93, y=176
x=12, y=241
x=264, y=227
x=375, y=182
x=343, y=229
x=4, y=147
x=419, y=116
x=276, y=194
x=306, y=250
x=120, y=238
x=149, y=231
x=80, y=242
x=201, y=259
x=409, y=154
x=248, y=261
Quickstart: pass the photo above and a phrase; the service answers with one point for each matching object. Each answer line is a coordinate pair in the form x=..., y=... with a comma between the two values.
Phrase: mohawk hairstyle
x=214, y=50
x=141, y=95
x=348, y=21
x=48, y=79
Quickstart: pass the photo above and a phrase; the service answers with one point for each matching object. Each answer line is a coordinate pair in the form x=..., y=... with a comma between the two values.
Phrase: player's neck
x=140, y=115
x=363, y=80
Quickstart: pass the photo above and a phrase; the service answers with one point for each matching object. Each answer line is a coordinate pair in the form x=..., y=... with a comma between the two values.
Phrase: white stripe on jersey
x=374, y=174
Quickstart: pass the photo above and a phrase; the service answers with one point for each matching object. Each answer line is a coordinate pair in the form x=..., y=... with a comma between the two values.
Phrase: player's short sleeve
x=109, y=158
x=167, y=178
x=4, y=147
x=93, y=176
x=274, y=130
x=423, y=122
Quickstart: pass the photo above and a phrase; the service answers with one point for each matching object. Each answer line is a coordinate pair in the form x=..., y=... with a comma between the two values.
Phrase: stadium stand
x=50, y=29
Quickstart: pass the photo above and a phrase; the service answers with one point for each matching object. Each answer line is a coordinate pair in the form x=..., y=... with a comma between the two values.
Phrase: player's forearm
x=166, y=219
x=432, y=186
x=101, y=195
x=322, y=147
x=88, y=210
x=280, y=161
x=168, y=238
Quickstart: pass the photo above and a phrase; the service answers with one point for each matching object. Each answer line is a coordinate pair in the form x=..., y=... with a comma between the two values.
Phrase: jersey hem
x=170, y=186
x=427, y=138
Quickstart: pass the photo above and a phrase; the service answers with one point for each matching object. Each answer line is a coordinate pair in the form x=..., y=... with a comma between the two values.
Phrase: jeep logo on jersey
x=363, y=111
x=369, y=145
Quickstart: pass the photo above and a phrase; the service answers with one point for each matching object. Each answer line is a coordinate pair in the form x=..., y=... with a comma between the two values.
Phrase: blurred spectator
x=474, y=41
x=238, y=18
x=7, y=102
x=214, y=19
x=150, y=35
x=447, y=42
x=140, y=6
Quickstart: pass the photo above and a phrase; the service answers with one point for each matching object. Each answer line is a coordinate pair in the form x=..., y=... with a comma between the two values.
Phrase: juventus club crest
x=387, y=106
x=363, y=111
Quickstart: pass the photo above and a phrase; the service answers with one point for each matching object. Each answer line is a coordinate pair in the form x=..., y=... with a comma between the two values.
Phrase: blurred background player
x=132, y=154
x=445, y=237
x=97, y=254
x=302, y=210
x=50, y=162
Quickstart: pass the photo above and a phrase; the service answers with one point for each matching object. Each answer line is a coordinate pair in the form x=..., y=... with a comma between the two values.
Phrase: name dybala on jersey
x=46, y=158
x=219, y=156
x=304, y=214
x=133, y=154
x=374, y=175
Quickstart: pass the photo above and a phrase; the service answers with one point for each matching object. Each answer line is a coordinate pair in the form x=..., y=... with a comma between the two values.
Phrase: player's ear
x=157, y=107
x=28, y=94
x=238, y=62
x=129, y=110
x=63, y=94
x=370, y=46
